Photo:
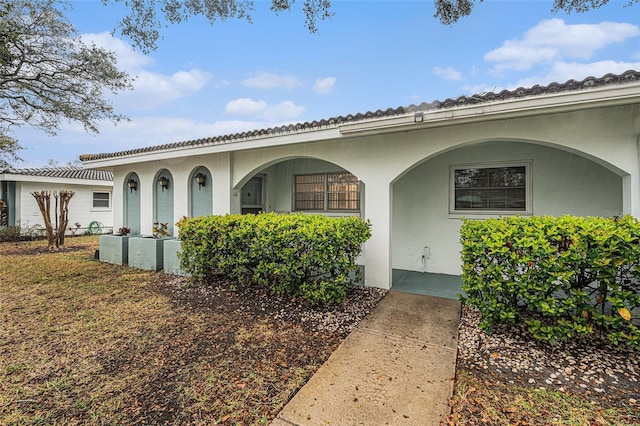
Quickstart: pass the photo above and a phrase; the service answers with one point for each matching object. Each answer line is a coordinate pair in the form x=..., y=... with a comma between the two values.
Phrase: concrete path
x=396, y=368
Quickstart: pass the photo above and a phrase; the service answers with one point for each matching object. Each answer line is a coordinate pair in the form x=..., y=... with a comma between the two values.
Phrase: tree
x=9, y=148
x=49, y=75
x=55, y=236
x=143, y=24
x=450, y=11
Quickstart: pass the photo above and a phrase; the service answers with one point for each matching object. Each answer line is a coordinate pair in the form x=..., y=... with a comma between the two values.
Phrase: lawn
x=89, y=343
x=84, y=342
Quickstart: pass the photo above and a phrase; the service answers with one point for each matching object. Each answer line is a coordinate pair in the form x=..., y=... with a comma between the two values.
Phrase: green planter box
x=114, y=249
x=172, y=250
x=147, y=253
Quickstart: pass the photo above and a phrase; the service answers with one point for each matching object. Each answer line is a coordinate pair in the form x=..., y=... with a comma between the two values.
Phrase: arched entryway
x=200, y=192
x=307, y=185
x=480, y=180
x=131, y=191
x=163, y=199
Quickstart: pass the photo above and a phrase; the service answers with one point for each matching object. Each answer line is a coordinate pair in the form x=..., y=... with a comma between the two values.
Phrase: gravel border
x=339, y=318
x=593, y=367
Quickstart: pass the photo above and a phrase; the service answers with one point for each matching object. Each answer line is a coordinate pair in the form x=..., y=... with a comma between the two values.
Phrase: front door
x=252, y=198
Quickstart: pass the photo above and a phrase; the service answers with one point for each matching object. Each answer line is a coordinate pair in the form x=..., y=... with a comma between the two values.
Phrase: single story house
x=414, y=172
x=91, y=205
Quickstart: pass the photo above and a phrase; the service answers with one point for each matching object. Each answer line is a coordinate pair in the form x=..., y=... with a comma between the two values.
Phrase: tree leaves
x=450, y=11
x=143, y=23
x=49, y=75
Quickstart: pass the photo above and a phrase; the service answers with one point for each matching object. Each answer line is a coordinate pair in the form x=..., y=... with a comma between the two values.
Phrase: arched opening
x=200, y=192
x=163, y=199
x=131, y=191
x=430, y=199
x=304, y=185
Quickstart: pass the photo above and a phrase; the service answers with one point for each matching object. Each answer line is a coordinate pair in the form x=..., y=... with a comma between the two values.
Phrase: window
x=491, y=188
x=101, y=200
x=327, y=192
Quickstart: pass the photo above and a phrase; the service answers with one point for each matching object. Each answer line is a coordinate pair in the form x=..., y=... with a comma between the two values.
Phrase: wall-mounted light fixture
x=200, y=179
x=418, y=117
x=132, y=184
x=164, y=182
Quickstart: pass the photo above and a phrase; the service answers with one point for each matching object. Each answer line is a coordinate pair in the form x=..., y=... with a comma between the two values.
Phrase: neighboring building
x=414, y=172
x=91, y=203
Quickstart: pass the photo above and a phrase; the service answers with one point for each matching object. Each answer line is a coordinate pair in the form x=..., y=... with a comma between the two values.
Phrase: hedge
x=310, y=256
x=563, y=277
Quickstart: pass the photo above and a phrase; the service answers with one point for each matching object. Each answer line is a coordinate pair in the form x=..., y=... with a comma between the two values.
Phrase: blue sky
x=205, y=81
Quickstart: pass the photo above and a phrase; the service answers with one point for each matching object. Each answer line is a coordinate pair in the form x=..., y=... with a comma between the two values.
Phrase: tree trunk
x=55, y=237
x=63, y=217
x=43, y=198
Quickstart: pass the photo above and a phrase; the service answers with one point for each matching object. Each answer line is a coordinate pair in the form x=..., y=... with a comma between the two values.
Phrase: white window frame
x=93, y=207
x=528, y=210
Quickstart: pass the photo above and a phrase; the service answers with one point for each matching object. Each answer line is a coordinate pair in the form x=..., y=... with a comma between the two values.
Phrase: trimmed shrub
x=562, y=276
x=310, y=256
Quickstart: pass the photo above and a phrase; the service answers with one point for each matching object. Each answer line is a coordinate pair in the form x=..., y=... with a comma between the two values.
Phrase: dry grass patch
x=84, y=342
x=479, y=402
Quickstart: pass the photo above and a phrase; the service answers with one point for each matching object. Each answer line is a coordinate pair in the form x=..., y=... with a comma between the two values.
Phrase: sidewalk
x=396, y=368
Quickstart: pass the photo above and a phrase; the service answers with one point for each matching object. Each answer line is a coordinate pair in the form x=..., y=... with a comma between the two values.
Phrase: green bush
x=310, y=256
x=562, y=276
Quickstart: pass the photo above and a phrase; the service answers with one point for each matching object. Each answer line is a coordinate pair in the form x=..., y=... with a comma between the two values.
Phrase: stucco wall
x=405, y=174
x=181, y=170
x=562, y=183
x=80, y=206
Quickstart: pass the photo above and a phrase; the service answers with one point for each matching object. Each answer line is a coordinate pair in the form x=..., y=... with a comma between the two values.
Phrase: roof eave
x=187, y=151
x=14, y=177
x=546, y=103
x=504, y=109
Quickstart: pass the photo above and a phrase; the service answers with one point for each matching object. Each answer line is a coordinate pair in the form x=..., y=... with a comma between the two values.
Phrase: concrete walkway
x=396, y=368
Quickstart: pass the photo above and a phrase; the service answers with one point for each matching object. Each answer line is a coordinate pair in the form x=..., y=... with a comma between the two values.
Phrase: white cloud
x=245, y=106
x=265, y=80
x=72, y=141
x=561, y=72
x=447, y=73
x=278, y=114
x=283, y=112
x=324, y=85
x=151, y=89
x=553, y=40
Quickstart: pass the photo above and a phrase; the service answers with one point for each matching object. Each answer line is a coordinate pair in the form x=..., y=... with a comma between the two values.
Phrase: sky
x=205, y=80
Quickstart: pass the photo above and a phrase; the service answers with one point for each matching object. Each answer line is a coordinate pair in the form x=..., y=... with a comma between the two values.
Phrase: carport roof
x=462, y=101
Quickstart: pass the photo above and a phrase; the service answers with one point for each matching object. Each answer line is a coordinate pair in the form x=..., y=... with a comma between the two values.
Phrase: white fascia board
x=621, y=94
x=54, y=180
x=265, y=141
x=495, y=110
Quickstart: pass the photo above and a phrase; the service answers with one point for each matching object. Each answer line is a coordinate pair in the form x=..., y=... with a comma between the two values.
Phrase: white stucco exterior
x=81, y=210
x=581, y=148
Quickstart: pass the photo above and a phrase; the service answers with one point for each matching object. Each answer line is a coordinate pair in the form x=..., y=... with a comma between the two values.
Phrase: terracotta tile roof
x=61, y=172
x=571, y=85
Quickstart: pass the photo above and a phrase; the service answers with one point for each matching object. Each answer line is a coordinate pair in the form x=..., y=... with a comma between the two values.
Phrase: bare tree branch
x=48, y=74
